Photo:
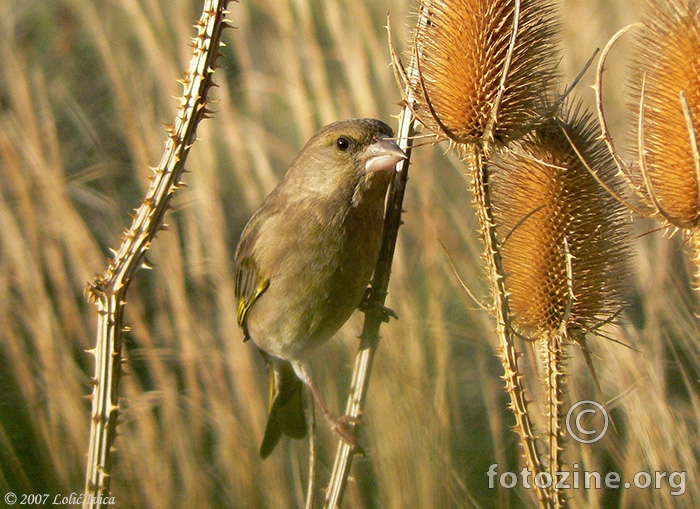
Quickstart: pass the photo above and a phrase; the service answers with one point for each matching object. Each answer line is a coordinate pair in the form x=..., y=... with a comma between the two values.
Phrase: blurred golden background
x=85, y=88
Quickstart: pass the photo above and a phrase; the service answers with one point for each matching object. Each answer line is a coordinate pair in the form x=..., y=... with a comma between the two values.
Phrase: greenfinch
x=306, y=257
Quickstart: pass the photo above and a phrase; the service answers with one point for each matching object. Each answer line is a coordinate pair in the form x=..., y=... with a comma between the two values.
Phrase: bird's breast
x=323, y=269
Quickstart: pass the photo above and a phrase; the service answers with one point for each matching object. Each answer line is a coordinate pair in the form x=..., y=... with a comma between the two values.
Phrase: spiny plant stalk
x=375, y=313
x=564, y=246
x=108, y=291
x=509, y=353
x=553, y=352
x=482, y=68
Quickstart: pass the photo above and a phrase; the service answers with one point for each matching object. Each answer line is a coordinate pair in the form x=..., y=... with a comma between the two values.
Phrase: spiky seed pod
x=464, y=49
x=668, y=62
x=564, y=239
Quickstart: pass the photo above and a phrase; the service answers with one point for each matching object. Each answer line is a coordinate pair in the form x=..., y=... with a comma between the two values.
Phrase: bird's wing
x=250, y=283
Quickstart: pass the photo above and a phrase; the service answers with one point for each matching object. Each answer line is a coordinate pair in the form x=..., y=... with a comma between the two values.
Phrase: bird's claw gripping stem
x=369, y=305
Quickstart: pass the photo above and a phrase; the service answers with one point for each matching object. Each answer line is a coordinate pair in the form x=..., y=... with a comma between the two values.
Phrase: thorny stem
x=478, y=155
x=375, y=314
x=553, y=349
x=554, y=345
x=108, y=291
x=476, y=158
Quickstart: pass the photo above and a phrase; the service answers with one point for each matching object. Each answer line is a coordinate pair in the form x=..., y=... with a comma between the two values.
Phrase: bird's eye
x=342, y=143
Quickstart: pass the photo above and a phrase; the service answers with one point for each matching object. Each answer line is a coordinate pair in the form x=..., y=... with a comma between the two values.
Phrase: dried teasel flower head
x=482, y=65
x=667, y=98
x=564, y=239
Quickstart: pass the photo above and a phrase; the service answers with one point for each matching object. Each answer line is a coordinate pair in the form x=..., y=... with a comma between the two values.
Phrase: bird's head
x=344, y=155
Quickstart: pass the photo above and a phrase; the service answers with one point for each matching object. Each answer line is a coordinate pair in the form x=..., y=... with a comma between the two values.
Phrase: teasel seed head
x=564, y=239
x=667, y=97
x=465, y=47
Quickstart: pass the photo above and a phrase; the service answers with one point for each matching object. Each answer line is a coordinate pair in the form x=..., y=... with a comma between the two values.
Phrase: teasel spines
x=464, y=50
x=667, y=98
x=564, y=239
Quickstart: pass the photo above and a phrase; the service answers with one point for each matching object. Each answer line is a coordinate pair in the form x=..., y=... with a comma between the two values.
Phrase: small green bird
x=305, y=259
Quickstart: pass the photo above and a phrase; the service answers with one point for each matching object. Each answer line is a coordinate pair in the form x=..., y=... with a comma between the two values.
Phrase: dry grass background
x=85, y=87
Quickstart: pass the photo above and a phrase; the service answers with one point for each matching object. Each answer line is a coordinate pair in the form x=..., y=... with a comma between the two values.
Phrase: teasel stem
x=553, y=354
x=553, y=347
x=476, y=159
x=108, y=291
x=481, y=68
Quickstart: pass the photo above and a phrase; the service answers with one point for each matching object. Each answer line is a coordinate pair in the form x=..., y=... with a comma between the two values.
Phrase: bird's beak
x=383, y=154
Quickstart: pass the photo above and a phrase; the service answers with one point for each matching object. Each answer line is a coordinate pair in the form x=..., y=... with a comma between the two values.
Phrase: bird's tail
x=286, y=414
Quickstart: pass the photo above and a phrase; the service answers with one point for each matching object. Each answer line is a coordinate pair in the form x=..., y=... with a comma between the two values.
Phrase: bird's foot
x=344, y=428
x=367, y=306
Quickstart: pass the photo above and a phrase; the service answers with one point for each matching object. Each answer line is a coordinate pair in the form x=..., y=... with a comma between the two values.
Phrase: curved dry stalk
x=643, y=159
x=598, y=88
x=493, y=115
x=462, y=283
x=442, y=128
x=612, y=192
x=108, y=291
x=692, y=134
x=375, y=313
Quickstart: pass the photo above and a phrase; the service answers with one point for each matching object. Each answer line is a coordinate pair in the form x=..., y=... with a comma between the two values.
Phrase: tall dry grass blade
x=108, y=291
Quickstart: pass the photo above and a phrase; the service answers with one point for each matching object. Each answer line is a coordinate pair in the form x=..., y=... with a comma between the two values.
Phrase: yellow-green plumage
x=305, y=258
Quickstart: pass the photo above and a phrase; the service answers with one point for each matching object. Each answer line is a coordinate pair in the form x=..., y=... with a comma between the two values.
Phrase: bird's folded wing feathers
x=250, y=284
